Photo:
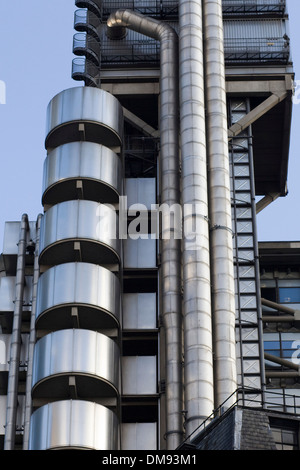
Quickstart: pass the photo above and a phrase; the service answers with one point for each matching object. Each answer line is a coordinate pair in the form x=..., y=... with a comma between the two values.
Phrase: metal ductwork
x=198, y=367
x=32, y=337
x=170, y=195
x=221, y=234
x=13, y=377
x=203, y=144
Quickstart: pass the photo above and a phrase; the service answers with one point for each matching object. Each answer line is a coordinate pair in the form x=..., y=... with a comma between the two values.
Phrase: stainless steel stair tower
x=76, y=364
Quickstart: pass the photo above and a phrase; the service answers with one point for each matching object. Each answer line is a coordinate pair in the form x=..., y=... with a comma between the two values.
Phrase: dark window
x=269, y=293
x=285, y=439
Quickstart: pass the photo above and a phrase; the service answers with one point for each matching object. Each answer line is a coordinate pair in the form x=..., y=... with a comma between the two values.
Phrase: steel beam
x=256, y=113
x=266, y=201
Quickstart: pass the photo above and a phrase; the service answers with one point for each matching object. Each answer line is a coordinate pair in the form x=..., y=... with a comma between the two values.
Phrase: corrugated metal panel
x=268, y=2
x=254, y=29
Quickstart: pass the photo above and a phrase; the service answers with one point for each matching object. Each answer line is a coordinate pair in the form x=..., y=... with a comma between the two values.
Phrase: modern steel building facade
x=131, y=308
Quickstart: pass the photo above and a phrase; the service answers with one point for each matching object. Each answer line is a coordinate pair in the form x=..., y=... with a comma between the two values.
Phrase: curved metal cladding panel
x=92, y=224
x=97, y=167
x=93, y=290
x=88, y=356
x=99, y=111
x=73, y=424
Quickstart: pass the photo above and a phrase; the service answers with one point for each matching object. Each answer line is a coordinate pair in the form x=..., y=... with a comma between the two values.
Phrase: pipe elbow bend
x=116, y=26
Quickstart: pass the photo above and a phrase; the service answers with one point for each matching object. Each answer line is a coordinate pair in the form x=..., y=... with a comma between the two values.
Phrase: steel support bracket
x=256, y=113
x=266, y=201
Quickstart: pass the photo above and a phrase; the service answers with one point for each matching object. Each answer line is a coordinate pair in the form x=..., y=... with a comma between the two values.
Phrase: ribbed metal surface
x=93, y=225
x=97, y=168
x=198, y=367
x=170, y=269
x=93, y=290
x=15, y=345
x=31, y=337
x=251, y=29
x=99, y=112
x=73, y=424
x=91, y=357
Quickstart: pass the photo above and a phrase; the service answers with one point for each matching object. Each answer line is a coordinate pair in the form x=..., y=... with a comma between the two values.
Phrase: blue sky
x=35, y=64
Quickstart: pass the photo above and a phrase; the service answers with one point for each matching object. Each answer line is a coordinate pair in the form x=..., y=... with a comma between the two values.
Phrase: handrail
x=222, y=410
x=245, y=6
x=83, y=69
x=236, y=50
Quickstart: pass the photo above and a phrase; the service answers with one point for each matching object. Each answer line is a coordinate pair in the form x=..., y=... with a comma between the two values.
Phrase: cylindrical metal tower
x=76, y=362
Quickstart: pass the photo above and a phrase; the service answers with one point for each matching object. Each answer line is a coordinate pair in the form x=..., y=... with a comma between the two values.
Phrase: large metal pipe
x=198, y=363
x=170, y=194
x=281, y=361
x=14, y=362
x=221, y=247
x=32, y=338
x=276, y=306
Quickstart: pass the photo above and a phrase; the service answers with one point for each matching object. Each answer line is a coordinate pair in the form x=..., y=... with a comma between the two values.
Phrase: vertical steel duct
x=14, y=362
x=170, y=194
x=222, y=270
x=198, y=367
x=32, y=338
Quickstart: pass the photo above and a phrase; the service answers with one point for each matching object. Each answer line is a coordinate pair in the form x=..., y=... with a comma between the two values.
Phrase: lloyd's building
x=131, y=311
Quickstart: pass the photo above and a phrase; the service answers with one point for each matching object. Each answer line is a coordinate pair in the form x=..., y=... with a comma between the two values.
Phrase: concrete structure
x=132, y=306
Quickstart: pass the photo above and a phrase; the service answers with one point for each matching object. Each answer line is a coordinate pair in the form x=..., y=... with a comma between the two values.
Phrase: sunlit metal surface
x=198, y=358
x=140, y=436
x=139, y=375
x=139, y=310
x=92, y=225
x=90, y=357
x=73, y=424
x=92, y=290
x=81, y=170
x=84, y=113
